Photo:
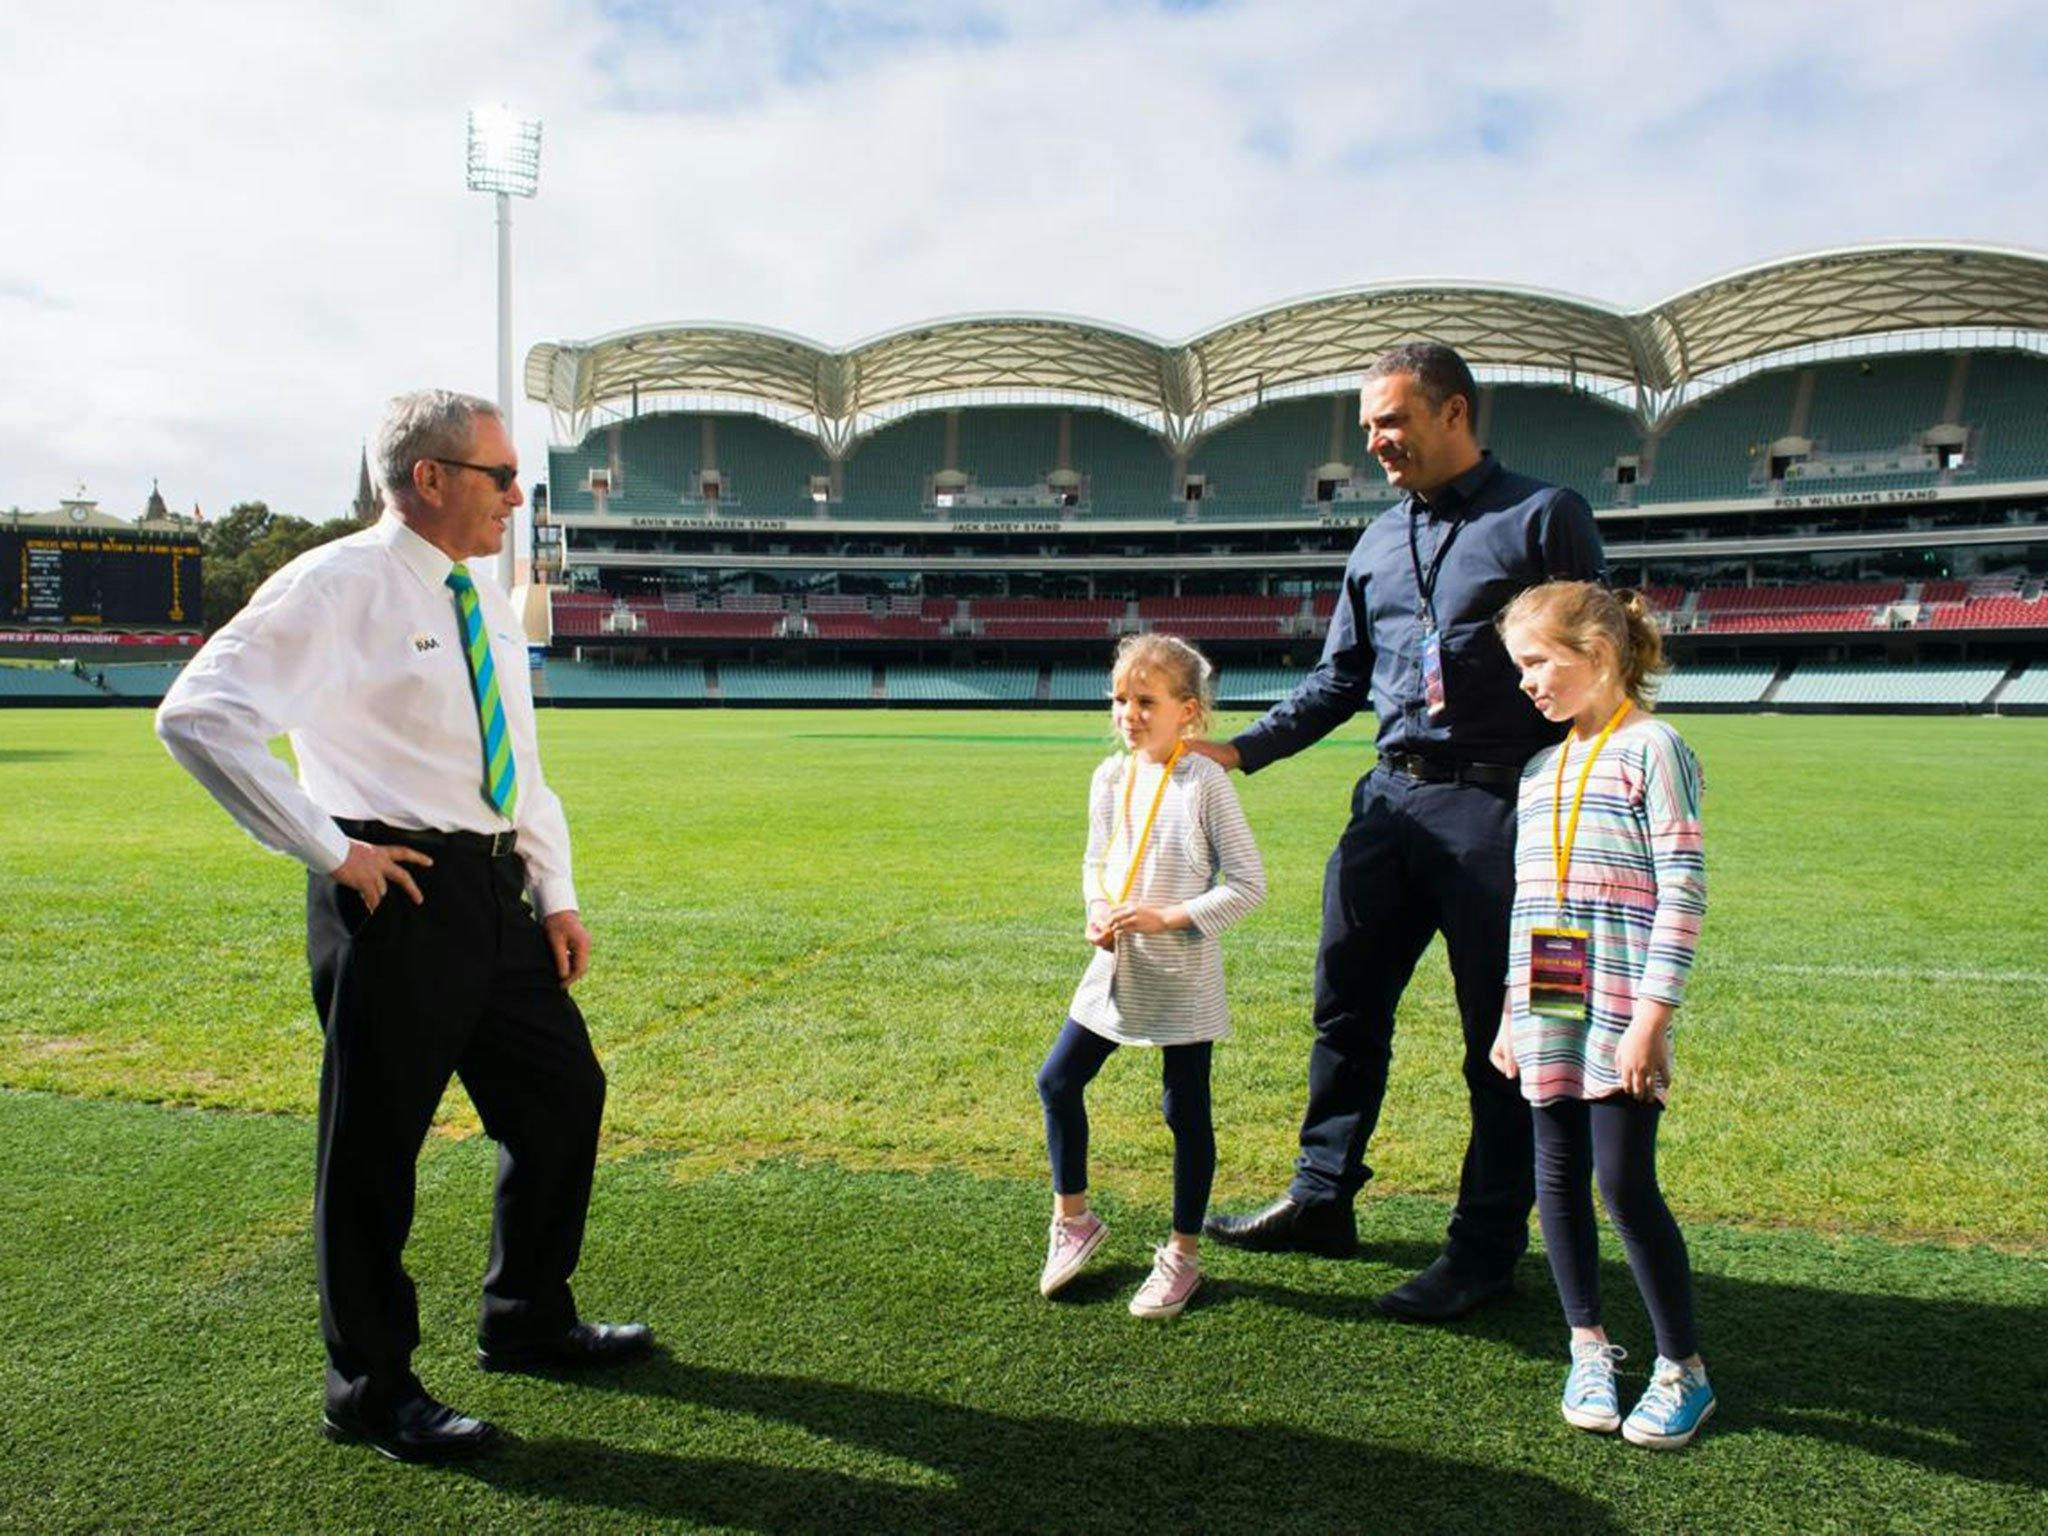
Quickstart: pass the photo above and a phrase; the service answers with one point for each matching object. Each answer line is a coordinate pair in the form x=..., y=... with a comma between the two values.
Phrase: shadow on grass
x=1022, y=1474
x=1935, y=1383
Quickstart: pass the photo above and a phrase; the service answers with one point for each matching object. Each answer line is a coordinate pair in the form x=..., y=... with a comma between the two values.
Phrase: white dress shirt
x=354, y=650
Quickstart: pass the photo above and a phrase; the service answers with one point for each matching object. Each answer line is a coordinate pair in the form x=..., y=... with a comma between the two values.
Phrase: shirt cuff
x=1253, y=751
x=328, y=853
x=551, y=896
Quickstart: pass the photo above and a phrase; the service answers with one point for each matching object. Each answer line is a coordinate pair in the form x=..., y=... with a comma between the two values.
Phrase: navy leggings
x=1071, y=1066
x=1615, y=1139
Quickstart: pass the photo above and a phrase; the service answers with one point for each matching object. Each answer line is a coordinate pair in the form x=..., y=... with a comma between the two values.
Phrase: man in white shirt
x=441, y=921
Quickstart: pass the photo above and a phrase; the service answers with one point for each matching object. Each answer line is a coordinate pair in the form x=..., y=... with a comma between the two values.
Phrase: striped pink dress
x=1637, y=885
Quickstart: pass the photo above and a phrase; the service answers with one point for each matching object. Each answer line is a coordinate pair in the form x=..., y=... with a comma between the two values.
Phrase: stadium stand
x=1564, y=437
x=1010, y=448
x=44, y=684
x=2005, y=404
x=2028, y=692
x=566, y=681
x=1719, y=447
x=793, y=684
x=147, y=681
x=1954, y=685
x=766, y=468
x=1069, y=685
x=888, y=473
x=964, y=685
x=1125, y=470
x=1259, y=464
x=1707, y=683
x=1256, y=685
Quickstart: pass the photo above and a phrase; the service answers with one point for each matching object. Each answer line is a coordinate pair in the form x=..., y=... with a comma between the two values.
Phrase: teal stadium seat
x=45, y=683
x=1727, y=683
x=887, y=471
x=767, y=467
x=1257, y=685
x=575, y=681
x=1128, y=471
x=1009, y=447
x=1563, y=437
x=960, y=685
x=141, y=679
x=1072, y=685
x=1717, y=448
x=1258, y=464
x=2030, y=688
x=1877, y=403
x=756, y=683
x=1957, y=684
x=2005, y=403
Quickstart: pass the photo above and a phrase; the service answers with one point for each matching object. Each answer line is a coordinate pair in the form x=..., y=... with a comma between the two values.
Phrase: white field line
x=1907, y=973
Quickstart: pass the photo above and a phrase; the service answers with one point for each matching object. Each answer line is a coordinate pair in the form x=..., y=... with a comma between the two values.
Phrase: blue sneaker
x=1590, y=1401
x=1674, y=1406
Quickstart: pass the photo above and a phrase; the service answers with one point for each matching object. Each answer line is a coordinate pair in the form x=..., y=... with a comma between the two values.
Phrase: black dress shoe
x=584, y=1346
x=418, y=1429
x=1327, y=1227
x=1441, y=1293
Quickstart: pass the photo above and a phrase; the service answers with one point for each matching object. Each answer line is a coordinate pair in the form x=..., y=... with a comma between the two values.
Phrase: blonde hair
x=1586, y=618
x=1185, y=671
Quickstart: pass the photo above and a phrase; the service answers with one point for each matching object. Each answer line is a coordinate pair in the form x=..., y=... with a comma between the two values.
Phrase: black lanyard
x=1425, y=587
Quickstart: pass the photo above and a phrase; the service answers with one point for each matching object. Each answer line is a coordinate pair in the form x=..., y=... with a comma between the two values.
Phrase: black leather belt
x=1445, y=770
x=489, y=845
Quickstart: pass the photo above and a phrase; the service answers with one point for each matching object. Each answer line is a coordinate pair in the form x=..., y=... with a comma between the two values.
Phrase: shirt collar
x=430, y=565
x=1456, y=494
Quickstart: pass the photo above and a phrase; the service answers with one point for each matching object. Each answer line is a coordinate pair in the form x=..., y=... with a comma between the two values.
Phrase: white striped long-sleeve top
x=1166, y=988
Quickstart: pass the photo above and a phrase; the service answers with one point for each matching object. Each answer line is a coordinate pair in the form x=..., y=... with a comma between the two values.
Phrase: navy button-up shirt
x=1506, y=532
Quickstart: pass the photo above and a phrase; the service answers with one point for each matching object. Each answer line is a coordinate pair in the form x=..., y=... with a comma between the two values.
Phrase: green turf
x=853, y=1352
x=832, y=948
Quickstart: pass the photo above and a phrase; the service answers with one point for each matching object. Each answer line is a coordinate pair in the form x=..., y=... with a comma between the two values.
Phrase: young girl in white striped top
x=1170, y=864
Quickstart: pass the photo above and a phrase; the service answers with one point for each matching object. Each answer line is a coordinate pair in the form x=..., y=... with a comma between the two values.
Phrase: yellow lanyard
x=1562, y=837
x=1138, y=853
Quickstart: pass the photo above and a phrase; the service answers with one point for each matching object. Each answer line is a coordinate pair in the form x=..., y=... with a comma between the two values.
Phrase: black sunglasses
x=502, y=475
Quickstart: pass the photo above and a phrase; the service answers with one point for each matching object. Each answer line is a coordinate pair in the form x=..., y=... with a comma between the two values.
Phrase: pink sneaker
x=1174, y=1278
x=1073, y=1243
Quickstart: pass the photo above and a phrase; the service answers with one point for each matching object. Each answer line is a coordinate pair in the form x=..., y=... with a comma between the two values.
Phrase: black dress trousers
x=408, y=995
x=1414, y=861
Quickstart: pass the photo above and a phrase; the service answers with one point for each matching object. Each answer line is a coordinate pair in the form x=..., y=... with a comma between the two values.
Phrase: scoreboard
x=98, y=576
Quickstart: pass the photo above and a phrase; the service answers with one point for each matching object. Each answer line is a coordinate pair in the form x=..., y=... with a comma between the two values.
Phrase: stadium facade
x=1830, y=472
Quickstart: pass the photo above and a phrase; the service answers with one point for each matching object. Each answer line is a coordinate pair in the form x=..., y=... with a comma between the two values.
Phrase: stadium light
x=504, y=160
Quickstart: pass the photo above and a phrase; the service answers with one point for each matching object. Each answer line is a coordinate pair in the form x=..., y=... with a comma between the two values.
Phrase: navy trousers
x=1417, y=860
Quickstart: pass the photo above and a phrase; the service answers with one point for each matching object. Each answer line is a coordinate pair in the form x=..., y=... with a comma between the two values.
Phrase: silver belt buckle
x=501, y=843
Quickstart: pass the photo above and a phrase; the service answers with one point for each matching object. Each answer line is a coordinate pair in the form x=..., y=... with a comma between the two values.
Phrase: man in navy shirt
x=1430, y=845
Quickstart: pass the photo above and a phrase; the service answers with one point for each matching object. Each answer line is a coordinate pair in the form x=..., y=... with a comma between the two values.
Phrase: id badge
x=1432, y=670
x=1560, y=972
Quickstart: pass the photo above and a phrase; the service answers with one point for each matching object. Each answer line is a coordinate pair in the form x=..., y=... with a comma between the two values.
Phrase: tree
x=242, y=549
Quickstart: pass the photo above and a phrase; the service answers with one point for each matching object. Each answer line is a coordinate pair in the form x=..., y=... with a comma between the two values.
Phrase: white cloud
x=234, y=228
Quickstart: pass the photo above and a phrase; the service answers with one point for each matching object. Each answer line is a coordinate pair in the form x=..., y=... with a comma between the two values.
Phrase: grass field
x=832, y=948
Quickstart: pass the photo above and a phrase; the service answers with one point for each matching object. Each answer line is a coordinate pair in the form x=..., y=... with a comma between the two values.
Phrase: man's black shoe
x=418, y=1429
x=1327, y=1227
x=1441, y=1293
x=584, y=1346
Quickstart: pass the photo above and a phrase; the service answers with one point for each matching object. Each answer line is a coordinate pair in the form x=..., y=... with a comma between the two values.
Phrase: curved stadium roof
x=1187, y=387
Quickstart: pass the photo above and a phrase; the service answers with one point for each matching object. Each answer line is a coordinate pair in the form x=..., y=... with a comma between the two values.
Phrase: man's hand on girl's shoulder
x=1217, y=752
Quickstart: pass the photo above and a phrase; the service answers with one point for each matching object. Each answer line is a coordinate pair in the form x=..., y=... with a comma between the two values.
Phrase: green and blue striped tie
x=501, y=778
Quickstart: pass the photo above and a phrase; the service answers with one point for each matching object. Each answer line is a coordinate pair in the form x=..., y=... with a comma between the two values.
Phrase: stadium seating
x=574, y=681
x=766, y=467
x=1256, y=685
x=1739, y=683
x=149, y=680
x=887, y=473
x=1003, y=446
x=2029, y=690
x=659, y=460
x=45, y=683
x=1877, y=403
x=1564, y=437
x=793, y=683
x=1956, y=685
x=1126, y=470
x=960, y=685
x=1079, y=684
x=2005, y=403
x=1261, y=461
x=1716, y=448
x=862, y=626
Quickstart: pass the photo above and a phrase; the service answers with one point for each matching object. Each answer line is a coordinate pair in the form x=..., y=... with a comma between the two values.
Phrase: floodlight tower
x=504, y=159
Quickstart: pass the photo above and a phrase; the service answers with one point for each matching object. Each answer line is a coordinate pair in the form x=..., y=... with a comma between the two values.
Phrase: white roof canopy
x=1183, y=389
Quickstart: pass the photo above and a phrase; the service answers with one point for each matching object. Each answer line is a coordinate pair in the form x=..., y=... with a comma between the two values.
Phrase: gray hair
x=424, y=424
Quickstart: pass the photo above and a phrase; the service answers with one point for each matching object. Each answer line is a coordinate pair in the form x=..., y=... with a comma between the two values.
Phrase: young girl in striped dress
x=1170, y=865
x=1609, y=890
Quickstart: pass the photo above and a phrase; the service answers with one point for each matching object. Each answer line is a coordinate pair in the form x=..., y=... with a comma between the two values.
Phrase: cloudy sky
x=232, y=229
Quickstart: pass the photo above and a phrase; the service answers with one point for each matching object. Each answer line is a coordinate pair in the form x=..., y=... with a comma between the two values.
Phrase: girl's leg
x=1564, y=1208
x=1624, y=1133
x=1076, y=1056
x=1185, y=1104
